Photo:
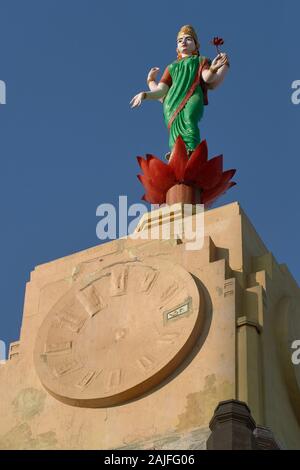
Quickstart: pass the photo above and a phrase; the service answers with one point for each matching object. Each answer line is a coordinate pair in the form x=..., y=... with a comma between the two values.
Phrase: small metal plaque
x=178, y=311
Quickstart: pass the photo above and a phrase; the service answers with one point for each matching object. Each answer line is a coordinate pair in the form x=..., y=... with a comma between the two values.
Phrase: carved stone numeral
x=67, y=318
x=146, y=362
x=66, y=367
x=147, y=280
x=91, y=300
x=114, y=379
x=88, y=378
x=58, y=348
x=118, y=280
x=169, y=292
x=168, y=338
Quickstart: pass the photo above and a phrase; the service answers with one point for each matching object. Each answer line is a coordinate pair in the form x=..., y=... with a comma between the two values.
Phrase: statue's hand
x=152, y=74
x=219, y=61
x=137, y=100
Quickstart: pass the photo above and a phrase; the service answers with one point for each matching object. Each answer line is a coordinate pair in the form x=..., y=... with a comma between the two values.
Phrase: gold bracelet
x=150, y=80
x=144, y=95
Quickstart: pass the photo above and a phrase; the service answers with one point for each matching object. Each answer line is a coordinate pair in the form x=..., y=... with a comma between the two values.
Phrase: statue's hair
x=188, y=29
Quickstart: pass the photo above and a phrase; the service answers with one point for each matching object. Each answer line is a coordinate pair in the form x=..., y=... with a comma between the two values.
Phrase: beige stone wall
x=237, y=355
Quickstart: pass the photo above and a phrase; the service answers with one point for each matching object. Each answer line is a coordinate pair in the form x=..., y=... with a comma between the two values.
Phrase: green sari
x=185, y=122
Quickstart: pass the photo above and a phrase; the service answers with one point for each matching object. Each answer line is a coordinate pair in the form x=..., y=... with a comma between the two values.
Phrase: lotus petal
x=154, y=198
x=149, y=156
x=227, y=175
x=210, y=173
x=161, y=174
x=208, y=197
x=143, y=165
x=148, y=184
x=198, y=171
x=179, y=159
x=195, y=162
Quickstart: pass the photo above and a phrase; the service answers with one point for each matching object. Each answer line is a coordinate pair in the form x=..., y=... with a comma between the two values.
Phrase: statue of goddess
x=183, y=88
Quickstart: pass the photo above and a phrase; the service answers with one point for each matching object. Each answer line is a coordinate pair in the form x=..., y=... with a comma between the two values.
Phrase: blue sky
x=69, y=138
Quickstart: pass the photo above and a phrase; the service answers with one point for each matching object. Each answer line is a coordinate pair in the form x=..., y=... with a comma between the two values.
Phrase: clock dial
x=118, y=332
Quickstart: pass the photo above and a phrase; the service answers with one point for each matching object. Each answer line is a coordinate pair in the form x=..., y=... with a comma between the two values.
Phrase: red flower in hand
x=216, y=41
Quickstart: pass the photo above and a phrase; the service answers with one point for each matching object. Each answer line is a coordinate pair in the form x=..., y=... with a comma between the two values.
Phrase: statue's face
x=186, y=45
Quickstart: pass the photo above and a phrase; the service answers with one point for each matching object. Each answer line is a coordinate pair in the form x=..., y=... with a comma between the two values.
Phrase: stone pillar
x=232, y=427
x=265, y=439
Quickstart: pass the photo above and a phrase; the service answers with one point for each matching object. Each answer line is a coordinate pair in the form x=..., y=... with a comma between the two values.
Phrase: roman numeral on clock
x=58, y=348
x=114, y=379
x=91, y=300
x=88, y=378
x=146, y=362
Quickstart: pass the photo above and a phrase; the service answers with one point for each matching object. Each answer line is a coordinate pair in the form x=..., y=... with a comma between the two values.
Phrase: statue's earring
x=178, y=55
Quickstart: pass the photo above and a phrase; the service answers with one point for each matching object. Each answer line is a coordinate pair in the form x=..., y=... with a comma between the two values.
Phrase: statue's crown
x=188, y=29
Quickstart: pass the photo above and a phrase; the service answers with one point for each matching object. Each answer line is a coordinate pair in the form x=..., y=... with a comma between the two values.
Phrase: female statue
x=183, y=88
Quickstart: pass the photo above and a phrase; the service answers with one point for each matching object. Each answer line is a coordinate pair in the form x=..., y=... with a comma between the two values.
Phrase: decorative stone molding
x=233, y=428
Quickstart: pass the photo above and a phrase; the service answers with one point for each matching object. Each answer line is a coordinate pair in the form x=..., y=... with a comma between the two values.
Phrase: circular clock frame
x=118, y=332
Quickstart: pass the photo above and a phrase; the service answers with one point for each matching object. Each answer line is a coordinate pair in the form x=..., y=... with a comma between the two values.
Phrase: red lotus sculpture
x=205, y=176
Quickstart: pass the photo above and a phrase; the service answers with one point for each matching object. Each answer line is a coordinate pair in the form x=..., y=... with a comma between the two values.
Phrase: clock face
x=118, y=332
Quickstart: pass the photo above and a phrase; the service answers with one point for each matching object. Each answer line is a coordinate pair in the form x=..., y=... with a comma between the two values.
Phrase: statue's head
x=187, y=42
